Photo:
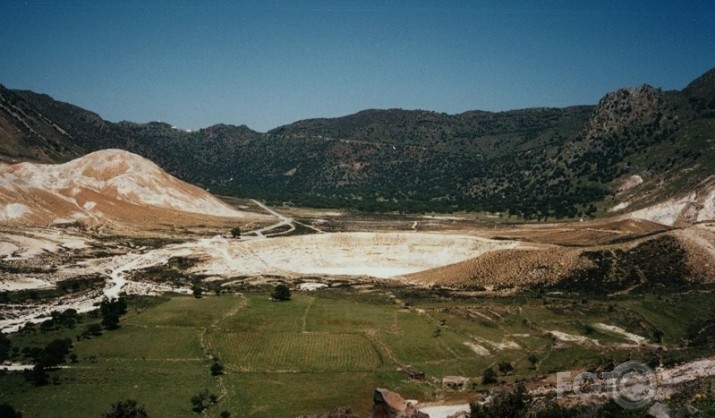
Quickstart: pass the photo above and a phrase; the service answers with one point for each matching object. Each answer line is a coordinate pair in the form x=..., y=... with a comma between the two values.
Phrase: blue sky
x=269, y=63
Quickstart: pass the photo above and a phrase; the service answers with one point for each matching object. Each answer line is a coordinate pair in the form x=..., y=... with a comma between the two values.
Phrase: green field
x=328, y=349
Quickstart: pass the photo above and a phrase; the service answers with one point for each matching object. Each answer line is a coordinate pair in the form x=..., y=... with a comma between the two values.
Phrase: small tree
x=7, y=411
x=281, y=292
x=489, y=377
x=216, y=368
x=658, y=336
x=236, y=232
x=200, y=401
x=92, y=330
x=505, y=368
x=533, y=360
x=126, y=409
x=111, y=310
x=225, y=414
x=197, y=290
x=216, y=287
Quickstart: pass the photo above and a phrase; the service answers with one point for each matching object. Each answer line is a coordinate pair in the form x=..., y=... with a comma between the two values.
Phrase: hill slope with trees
x=531, y=163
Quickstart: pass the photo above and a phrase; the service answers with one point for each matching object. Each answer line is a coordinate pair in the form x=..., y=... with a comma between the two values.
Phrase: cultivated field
x=332, y=347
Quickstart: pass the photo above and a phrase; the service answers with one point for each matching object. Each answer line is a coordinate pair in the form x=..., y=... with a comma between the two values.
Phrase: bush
x=281, y=292
x=126, y=409
x=216, y=369
x=489, y=377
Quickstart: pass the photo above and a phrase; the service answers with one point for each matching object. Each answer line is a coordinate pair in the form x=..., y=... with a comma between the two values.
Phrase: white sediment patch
x=479, y=349
x=566, y=337
x=13, y=211
x=634, y=338
x=444, y=411
x=311, y=286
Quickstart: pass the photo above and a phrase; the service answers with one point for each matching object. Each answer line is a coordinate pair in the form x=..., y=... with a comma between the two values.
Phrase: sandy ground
x=444, y=411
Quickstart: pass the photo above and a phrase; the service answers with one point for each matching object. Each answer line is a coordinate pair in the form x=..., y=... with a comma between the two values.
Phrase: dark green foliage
x=5, y=347
x=197, y=290
x=281, y=292
x=54, y=353
x=111, y=311
x=7, y=411
x=515, y=405
x=202, y=401
x=92, y=330
x=77, y=284
x=539, y=163
x=533, y=359
x=126, y=409
x=505, y=368
x=216, y=368
x=51, y=356
x=657, y=264
x=236, y=232
x=489, y=377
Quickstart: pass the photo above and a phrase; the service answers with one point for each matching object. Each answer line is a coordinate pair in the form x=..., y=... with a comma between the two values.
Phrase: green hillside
x=532, y=163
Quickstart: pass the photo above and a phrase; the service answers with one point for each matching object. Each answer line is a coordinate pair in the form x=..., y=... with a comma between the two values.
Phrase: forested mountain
x=532, y=163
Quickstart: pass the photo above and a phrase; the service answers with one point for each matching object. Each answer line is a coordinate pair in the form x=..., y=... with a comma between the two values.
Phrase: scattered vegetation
x=126, y=409
x=281, y=292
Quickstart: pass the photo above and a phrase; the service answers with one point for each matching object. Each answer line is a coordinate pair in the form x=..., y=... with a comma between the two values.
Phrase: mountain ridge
x=535, y=163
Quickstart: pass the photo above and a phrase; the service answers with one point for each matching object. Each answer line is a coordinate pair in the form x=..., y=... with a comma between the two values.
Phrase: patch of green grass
x=132, y=342
x=164, y=388
x=296, y=352
x=331, y=348
x=264, y=315
x=186, y=312
x=341, y=315
x=292, y=394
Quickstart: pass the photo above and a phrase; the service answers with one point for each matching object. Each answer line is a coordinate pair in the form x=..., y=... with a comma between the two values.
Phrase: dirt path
x=305, y=314
x=205, y=342
x=283, y=221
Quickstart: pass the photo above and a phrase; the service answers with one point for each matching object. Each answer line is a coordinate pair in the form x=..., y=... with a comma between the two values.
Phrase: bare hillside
x=110, y=186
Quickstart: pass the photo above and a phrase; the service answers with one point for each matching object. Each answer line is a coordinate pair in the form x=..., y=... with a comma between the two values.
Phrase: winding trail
x=283, y=221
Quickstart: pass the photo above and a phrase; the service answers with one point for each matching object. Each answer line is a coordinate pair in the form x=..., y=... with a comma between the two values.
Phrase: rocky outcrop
x=388, y=404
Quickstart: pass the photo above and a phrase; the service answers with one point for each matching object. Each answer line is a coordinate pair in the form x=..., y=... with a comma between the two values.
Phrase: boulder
x=388, y=404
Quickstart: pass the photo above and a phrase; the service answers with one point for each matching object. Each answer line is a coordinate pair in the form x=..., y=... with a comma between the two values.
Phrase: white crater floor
x=383, y=255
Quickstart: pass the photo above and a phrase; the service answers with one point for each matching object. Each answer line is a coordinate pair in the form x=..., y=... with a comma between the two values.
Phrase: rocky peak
x=703, y=86
x=641, y=110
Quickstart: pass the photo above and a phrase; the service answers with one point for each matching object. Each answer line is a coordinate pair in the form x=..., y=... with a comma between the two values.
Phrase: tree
x=216, y=368
x=7, y=411
x=92, y=330
x=197, y=290
x=658, y=336
x=127, y=408
x=216, y=287
x=281, y=292
x=505, y=368
x=112, y=310
x=489, y=377
x=54, y=353
x=533, y=360
x=236, y=232
x=225, y=414
x=201, y=401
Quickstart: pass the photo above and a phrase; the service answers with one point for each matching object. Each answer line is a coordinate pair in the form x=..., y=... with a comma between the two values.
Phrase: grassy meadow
x=331, y=348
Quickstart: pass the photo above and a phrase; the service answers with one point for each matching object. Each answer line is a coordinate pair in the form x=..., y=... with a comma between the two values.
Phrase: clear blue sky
x=269, y=63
